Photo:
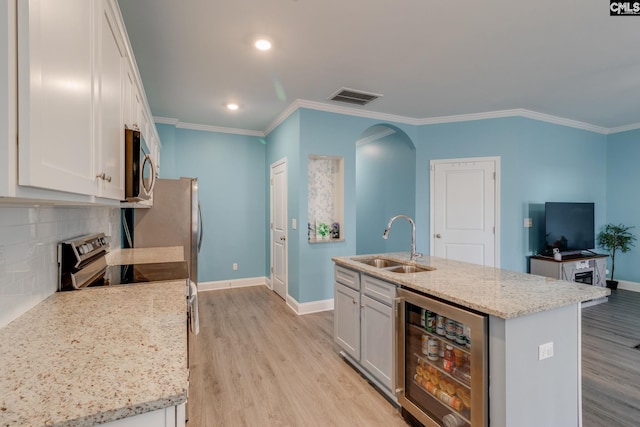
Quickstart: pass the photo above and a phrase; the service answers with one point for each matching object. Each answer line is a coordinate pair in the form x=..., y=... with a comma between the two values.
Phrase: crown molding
x=376, y=136
x=349, y=111
x=626, y=128
x=166, y=120
x=516, y=112
x=207, y=128
x=282, y=116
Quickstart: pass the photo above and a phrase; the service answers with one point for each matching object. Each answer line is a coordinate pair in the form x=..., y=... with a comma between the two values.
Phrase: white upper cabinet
x=55, y=83
x=70, y=85
x=110, y=86
x=130, y=97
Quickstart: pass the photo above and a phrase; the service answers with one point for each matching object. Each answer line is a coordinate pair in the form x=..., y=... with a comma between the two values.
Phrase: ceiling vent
x=352, y=96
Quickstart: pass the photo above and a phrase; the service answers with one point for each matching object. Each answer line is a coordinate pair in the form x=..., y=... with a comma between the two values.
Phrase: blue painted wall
x=284, y=143
x=386, y=186
x=231, y=171
x=539, y=162
x=623, y=199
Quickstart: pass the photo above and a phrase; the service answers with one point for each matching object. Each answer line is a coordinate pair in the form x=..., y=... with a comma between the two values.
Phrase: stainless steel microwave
x=140, y=176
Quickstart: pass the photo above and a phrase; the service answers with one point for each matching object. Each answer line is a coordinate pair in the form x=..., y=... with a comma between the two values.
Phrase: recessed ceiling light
x=231, y=106
x=263, y=44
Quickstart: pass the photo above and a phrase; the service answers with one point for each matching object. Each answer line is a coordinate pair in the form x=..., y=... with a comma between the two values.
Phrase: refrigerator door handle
x=201, y=227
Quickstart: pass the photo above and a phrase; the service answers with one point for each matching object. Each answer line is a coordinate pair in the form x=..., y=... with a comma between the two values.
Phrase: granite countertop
x=87, y=357
x=145, y=255
x=501, y=293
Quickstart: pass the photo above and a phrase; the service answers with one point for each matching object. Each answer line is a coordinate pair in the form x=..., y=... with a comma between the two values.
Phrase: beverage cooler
x=442, y=362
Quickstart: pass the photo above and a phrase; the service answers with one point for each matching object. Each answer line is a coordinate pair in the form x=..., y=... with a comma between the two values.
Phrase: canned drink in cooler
x=430, y=321
x=440, y=324
x=460, y=336
x=467, y=335
x=433, y=349
x=450, y=329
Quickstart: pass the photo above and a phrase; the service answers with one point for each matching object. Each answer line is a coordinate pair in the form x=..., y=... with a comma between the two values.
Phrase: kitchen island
x=524, y=313
x=97, y=355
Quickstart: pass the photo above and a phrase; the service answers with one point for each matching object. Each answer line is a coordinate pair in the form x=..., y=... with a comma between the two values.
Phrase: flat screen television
x=569, y=226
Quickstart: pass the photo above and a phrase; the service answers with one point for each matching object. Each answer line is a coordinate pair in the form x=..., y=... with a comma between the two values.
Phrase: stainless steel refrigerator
x=175, y=219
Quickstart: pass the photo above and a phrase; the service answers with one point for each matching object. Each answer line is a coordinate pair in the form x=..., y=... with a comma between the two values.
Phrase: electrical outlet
x=235, y=266
x=528, y=222
x=545, y=351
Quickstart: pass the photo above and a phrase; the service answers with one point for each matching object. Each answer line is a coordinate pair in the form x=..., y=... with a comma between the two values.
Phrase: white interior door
x=465, y=210
x=279, y=228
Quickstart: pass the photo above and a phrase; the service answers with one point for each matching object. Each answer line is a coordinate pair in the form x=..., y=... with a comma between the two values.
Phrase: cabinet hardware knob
x=101, y=176
x=108, y=178
x=354, y=301
x=438, y=236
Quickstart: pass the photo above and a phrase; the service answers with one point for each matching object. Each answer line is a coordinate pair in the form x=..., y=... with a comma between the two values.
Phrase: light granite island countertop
x=88, y=357
x=524, y=314
x=501, y=293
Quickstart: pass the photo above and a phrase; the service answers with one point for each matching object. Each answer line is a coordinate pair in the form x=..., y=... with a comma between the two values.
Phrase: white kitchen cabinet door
x=143, y=119
x=130, y=98
x=173, y=416
x=346, y=319
x=110, y=83
x=55, y=81
x=377, y=340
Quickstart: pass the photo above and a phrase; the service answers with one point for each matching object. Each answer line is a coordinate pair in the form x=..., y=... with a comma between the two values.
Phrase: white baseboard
x=309, y=307
x=629, y=286
x=230, y=284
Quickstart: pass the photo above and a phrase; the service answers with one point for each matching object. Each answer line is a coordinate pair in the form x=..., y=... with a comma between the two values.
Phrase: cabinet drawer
x=347, y=277
x=378, y=289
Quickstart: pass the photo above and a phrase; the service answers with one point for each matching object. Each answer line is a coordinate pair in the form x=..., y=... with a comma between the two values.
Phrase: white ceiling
x=429, y=58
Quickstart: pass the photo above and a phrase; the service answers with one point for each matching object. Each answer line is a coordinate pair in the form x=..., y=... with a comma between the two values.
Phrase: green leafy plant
x=323, y=229
x=615, y=238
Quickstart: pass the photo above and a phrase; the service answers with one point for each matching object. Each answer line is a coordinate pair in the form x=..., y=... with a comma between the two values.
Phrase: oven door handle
x=398, y=380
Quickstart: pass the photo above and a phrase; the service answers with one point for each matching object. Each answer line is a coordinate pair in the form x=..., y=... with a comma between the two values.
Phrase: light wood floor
x=255, y=363
x=610, y=363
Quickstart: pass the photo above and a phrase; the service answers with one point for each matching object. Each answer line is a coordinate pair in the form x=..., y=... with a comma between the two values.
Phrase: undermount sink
x=405, y=268
x=379, y=262
x=394, y=266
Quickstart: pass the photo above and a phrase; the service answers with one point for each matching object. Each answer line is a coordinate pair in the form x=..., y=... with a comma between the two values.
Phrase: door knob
x=438, y=236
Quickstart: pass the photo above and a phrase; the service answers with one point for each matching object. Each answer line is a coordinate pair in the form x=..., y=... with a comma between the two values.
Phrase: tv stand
x=590, y=269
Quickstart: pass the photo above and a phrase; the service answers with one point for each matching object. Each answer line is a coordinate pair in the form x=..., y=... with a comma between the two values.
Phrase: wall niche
x=325, y=199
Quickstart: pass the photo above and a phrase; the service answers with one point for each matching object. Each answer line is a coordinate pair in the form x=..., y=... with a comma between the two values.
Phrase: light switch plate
x=528, y=222
x=294, y=224
x=545, y=351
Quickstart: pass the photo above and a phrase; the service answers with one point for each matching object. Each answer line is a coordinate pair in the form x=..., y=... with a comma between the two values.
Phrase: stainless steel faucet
x=414, y=255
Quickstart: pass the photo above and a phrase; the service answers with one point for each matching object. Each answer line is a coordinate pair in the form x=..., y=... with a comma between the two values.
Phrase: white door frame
x=496, y=235
x=274, y=165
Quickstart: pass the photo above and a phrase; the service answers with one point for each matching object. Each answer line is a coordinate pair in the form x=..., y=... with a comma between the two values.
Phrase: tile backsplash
x=28, y=246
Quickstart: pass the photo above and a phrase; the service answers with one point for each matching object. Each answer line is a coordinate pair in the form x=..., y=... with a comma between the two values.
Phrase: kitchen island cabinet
x=363, y=325
x=525, y=313
x=98, y=355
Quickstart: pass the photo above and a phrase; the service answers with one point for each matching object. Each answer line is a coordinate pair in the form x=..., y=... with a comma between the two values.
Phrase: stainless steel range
x=82, y=263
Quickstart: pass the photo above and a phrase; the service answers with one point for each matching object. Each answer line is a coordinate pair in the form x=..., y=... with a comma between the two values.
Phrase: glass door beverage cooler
x=442, y=362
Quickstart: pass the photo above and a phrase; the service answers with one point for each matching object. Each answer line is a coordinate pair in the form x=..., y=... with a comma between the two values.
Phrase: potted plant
x=615, y=238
